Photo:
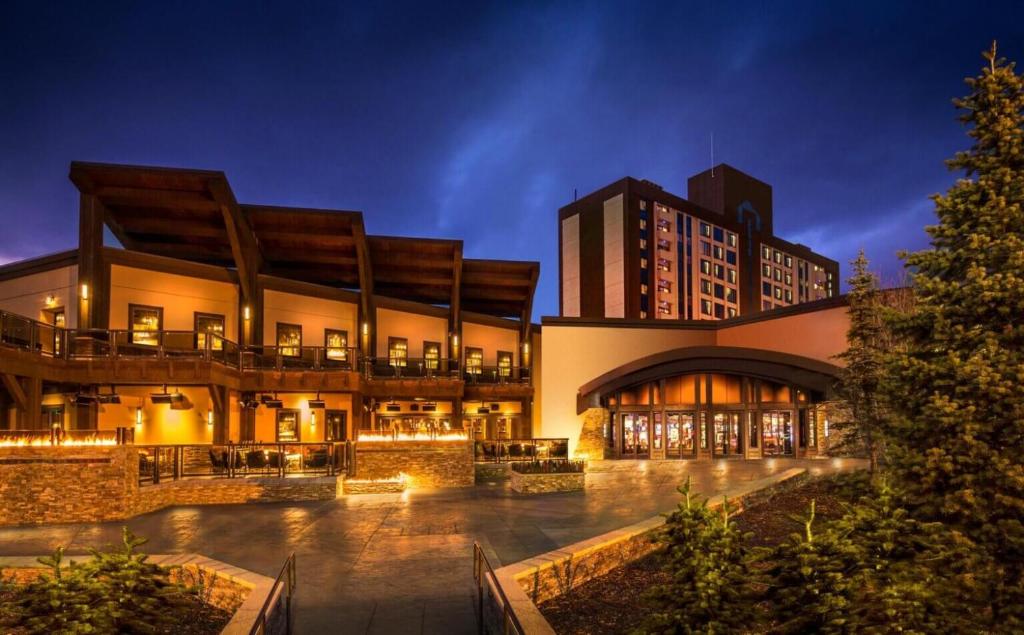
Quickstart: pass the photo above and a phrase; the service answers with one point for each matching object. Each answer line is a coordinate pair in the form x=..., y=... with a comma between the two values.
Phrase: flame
x=39, y=442
x=401, y=478
x=414, y=436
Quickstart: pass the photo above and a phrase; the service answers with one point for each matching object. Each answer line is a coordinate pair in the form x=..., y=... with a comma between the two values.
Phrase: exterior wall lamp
x=138, y=416
x=366, y=328
x=209, y=418
x=245, y=312
x=85, y=291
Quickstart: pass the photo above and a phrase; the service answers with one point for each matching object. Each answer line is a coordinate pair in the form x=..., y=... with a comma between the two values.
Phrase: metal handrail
x=286, y=578
x=231, y=460
x=481, y=569
x=509, y=450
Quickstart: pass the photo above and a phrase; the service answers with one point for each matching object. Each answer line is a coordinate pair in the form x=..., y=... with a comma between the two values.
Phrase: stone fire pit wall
x=545, y=483
x=425, y=463
x=67, y=484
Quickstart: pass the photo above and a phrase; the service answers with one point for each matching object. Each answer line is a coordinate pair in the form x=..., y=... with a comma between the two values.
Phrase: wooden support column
x=525, y=324
x=27, y=395
x=367, y=306
x=221, y=423
x=526, y=406
x=357, y=415
x=455, y=342
x=248, y=261
x=93, y=274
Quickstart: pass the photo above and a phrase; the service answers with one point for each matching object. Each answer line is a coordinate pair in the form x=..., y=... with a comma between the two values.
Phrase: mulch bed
x=614, y=603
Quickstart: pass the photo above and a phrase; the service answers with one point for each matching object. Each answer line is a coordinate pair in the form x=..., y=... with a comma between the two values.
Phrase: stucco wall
x=414, y=327
x=491, y=339
x=26, y=295
x=314, y=314
x=818, y=335
x=266, y=418
x=160, y=424
x=179, y=296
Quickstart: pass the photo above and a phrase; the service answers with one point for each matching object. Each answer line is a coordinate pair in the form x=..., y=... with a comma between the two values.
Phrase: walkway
x=403, y=563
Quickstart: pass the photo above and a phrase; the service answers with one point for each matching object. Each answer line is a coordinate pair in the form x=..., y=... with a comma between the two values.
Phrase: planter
x=545, y=483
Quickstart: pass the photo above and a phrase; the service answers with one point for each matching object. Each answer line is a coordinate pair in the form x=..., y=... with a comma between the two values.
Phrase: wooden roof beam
x=244, y=248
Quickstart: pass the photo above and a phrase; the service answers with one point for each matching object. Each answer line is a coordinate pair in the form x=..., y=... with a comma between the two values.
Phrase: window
x=789, y=261
x=705, y=307
x=209, y=323
x=730, y=239
x=719, y=234
x=398, y=352
x=719, y=271
x=789, y=278
x=432, y=355
x=705, y=229
x=145, y=322
x=336, y=344
x=705, y=248
x=643, y=289
x=766, y=252
x=289, y=339
x=778, y=293
x=474, y=360
x=778, y=274
x=730, y=295
x=730, y=257
x=664, y=264
x=287, y=426
x=719, y=252
x=719, y=310
x=664, y=245
x=789, y=295
x=705, y=266
x=705, y=286
x=731, y=312
x=730, y=275
x=643, y=224
x=643, y=263
x=719, y=291
x=643, y=243
x=504, y=364
x=766, y=289
x=766, y=305
x=664, y=225
x=766, y=270
x=778, y=257
x=665, y=308
x=664, y=286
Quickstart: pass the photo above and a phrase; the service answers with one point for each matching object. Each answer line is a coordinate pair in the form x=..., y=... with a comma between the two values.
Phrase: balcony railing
x=90, y=344
x=174, y=462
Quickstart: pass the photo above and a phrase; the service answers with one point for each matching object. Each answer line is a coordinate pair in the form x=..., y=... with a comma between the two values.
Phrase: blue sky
x=478, y=121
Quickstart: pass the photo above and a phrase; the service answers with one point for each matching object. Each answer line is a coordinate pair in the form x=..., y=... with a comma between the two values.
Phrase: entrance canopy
x=773, y=366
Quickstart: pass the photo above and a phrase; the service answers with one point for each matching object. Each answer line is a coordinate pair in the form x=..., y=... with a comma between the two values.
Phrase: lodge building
x=218, y=321
x=687, y=329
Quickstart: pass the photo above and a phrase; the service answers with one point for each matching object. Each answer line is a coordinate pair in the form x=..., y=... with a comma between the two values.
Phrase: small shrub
x=550, y=467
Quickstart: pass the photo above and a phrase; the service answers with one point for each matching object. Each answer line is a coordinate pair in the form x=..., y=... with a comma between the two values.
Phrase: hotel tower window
x=145, y=323
x=398, y=352
x=289, y=339
x=474, y=360
x=336, y=344
x=212, y=324
x=431, y=355
x=504, y=364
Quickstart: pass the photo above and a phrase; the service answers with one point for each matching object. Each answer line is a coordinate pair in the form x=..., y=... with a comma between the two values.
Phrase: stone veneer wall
x=67, y=484
x=425, y=463
x=78, y=484
x=486, y=472
x=545, y=483
x=592, y=445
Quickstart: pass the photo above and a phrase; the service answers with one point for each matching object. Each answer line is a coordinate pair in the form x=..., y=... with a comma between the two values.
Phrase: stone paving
x=402, y=563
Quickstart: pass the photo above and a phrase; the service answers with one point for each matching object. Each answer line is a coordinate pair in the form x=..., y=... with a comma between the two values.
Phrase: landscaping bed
x=614, y=603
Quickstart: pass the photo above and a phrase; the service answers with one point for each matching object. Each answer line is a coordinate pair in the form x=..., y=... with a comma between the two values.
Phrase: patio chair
x=490, y=451
x=218, y=460
x=515, y=451
x=560, y=450
x=317, y=460
x=255, y=460
x=276, y=460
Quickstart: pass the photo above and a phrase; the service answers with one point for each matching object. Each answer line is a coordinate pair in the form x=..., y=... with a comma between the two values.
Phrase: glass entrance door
x=636, y=442
x=679, y=435
x=335, y=425
x=727, y=434
x=777, y=427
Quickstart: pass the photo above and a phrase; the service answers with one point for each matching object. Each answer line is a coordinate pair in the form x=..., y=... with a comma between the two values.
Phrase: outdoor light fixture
x=209, y=418
x=138, y=416
x=316, y=403
x=51, y=300
x=483, y=411
x=113, y=397
x=85, y=399
x=245, y=312
x=366, y=328
x=173, y=398
x=85, y=291
x=271, y=402
x=248, y=403
x=312, y=421
x=393, y=407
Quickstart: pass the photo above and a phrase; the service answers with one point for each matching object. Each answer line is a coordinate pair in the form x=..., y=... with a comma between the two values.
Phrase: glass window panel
x=289, y=339
x=144, y=322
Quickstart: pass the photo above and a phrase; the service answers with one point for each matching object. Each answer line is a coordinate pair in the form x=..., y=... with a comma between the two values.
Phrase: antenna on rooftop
x=573, y=195
x=712, y=154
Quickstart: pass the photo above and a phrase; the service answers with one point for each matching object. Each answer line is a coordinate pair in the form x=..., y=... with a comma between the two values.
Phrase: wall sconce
x=138, y=416
x=366, y=328
x=455, y=340
x=85, y=291
x=526, y=348
x=245, y=312
x=51, y=300
x=209, y=418
x=312, y=421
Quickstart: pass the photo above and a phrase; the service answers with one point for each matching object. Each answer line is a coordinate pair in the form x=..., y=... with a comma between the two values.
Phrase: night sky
x=479, y=122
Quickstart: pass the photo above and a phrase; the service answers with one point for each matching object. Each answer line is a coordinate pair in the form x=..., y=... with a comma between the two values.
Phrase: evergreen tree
x=861, y=430
x=958, y=388
x=707, y=558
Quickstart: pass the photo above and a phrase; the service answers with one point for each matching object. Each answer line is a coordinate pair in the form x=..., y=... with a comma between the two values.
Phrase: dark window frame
x=344, y=346
x=478, y=362
x=281, y=347
x=505, y=371
x=394, y=359
x=131, y=322
x=298, y=425
x=431, y=363
x=202, y=315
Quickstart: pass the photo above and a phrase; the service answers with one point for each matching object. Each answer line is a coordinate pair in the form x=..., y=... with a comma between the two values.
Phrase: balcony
x=92, y=345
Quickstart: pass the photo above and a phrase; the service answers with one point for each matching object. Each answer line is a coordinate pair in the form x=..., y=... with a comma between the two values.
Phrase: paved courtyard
x=402, y=563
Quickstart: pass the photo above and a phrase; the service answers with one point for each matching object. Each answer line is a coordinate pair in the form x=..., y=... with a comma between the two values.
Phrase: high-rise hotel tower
x=632, y=250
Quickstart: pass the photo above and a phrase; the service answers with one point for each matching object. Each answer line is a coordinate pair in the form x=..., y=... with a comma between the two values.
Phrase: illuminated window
x=664, y=225
x=705, y=286
x=432, y=355
x=336, y=344
x=730, y=239
x=778, y=293
x=665, y=308
x=643, y=263
x=504, y=364
x=287, y=426
x=789, y=278
x=778, y=274
x=474, y=360
x=212, y=324
x=719, y=252
x=664, y=286
x=643, y=243
x=643, y=223
x=789, y=295
x=705, y=266
x=766, y=270
x=398, y=352
x=719, y=271
x=289, y=339
x=705, y=307
x=145, y=322
x=730, y=312
x=730, y=295
x=789, y=261
x=664, y=264
x=664, y=245
x=705, y=229
x=730, y=275
x=766, y=252
x=778, y=257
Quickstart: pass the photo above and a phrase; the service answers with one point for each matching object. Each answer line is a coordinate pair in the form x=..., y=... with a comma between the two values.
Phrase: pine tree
x=861, y=430
x=958, y=389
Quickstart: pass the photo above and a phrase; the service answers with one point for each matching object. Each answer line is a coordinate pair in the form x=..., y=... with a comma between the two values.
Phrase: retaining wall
x=424, y=463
